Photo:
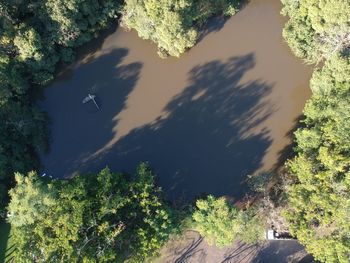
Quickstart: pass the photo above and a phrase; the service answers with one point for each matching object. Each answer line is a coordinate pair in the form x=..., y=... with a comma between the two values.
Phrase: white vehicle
x=274, y=235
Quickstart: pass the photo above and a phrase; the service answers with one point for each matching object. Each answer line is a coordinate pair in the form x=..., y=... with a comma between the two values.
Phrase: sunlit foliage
x=317, y=29
x=221, y=223
x=101, y=217
x=319, y=198
x=172, y=24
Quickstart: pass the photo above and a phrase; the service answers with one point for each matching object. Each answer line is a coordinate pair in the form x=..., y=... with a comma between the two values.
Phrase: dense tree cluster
x=318, y=194
x=172, y=24
x=317, y=29
x=34, y=36
x=222, y=223
x=319, y=199
x=101, y=217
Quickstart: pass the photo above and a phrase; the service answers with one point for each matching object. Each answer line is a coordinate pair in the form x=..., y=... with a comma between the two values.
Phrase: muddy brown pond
x=203, y=121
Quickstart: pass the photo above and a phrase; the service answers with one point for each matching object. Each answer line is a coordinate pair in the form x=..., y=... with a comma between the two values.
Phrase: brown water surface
x=203, y=121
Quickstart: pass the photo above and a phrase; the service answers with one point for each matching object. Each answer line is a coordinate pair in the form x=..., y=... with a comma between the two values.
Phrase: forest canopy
x=317, y=29
x=319, y=199
x=101, y=217
x=172, y=24
x=318, y=194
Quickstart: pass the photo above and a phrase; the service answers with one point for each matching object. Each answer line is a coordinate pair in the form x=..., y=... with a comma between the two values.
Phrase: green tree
x=28, y=42
x=162, y=22
x=221, y=223
x=319, y=199
x=317, y=29
x=30, y=202
x=172, y=24
x=104, y=217
x=70, y=23
x=30, y=199
x=155, y=220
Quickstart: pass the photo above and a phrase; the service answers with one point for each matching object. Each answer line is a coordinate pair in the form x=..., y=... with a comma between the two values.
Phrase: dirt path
x=191, y=248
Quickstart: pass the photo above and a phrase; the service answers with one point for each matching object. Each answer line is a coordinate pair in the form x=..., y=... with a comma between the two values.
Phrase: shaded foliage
x=104, y=217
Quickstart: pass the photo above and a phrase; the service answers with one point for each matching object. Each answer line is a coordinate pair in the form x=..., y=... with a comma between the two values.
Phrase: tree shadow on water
x=287, y=153
x=205, y=143
x=215, y=23
x=78, y=130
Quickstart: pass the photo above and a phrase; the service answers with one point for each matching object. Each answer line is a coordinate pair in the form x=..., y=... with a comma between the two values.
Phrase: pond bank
x=203, y=121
